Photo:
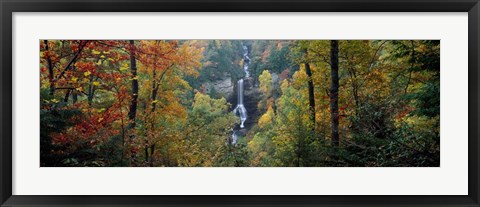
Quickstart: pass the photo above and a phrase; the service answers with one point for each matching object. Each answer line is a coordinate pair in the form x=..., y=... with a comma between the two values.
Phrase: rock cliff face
x=223, y=87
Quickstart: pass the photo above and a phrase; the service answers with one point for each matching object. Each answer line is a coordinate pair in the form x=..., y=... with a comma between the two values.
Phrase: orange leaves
x=94, y=78
x=284, y=74
x=86, y=68
x=279, y=45
x=161, y=56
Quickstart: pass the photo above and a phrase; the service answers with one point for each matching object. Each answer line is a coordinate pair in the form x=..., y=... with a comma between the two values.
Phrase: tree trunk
x=50, y=69
x=73, y=92
x=412, y=64
x=311, y=95
x=334, y=91
x=354, y=86
x=154, y=91
x=123, y=135
x=74, y=97
x=65, y=99
x=152, y=151
x=91, y=92
x=146, y=154
x=149, y=157
x=133, y=68
x=74, y=59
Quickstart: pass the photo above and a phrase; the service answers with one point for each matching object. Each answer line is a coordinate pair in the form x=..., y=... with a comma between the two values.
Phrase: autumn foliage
x=169, y=103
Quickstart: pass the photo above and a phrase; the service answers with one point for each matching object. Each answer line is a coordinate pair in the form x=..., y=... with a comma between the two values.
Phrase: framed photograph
x=239, y=103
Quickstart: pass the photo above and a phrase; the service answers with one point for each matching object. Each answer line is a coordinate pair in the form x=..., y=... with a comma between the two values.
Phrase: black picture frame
x=7, y=7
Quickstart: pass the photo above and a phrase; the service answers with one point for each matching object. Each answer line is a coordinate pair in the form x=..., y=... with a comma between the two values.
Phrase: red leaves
x=343, y=107
x=86, y=67
x=404, y=112
x=94, y=77
x=95, y=124
x=74, y=47
x=284, y=74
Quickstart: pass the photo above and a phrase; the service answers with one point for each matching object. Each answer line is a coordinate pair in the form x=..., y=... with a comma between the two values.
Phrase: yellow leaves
x=100, y=119
x=79, y=89
x=135, y=78
x=96, y=83
x=284, y=85
x=203, y=101
x=270, y=102
x=87, y=73
x=421, y=48
x=266, y=118
x=265, y=82
x=74, y=79
x=124, y=67
x=179, y=82
x=155, y=101
x=299, y=79
x=51, y=101
x=102, y=56
x=176, y=110
x=420, y=124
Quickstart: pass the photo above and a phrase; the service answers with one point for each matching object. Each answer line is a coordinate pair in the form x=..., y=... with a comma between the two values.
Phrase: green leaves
x=388, y=103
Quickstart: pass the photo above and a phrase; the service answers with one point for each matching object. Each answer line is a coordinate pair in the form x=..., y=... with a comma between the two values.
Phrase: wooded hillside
x=166, y=103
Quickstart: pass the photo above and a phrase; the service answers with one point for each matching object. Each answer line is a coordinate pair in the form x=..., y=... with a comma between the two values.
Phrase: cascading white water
x=234, y=137
x=246, y=60
x=240, y=110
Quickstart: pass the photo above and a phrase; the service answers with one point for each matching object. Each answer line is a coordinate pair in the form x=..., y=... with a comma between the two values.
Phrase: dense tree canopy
x=310, y=102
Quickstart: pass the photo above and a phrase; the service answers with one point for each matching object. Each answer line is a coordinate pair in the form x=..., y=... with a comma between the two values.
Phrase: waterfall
x=246, y=60
x=234, y=137
x=240, y=110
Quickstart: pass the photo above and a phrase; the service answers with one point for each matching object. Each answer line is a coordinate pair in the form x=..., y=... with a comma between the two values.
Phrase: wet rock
x=248, y=83
x=242, y=132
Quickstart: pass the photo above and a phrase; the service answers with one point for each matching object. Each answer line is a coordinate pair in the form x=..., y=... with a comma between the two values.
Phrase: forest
x=239, y=103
